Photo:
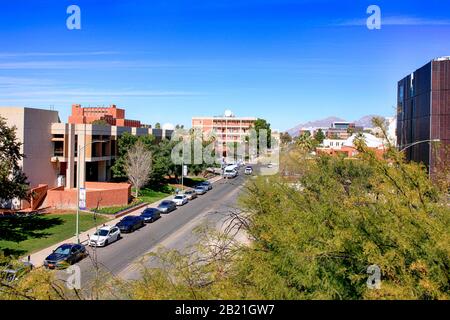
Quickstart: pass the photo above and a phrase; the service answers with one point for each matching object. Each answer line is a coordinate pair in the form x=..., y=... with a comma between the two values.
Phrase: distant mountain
x=365, y=122
x=318, y=123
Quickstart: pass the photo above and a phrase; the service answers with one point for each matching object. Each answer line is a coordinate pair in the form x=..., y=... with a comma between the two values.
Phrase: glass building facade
x=423, y=113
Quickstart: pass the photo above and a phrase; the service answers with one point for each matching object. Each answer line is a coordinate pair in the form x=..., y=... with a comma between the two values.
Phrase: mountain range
x=365, y=122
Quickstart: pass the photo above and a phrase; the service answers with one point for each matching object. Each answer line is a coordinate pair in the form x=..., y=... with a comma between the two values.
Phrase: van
x=230, y=172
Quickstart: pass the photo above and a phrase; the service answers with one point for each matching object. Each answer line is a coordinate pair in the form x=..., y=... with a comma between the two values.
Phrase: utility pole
x=182, y=169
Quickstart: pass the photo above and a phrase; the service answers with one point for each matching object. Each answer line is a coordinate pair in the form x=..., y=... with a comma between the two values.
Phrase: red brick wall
x=97, y=194
x=111, y=115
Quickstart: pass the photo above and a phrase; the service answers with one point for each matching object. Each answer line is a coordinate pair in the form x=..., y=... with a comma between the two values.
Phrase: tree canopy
x=13, y=182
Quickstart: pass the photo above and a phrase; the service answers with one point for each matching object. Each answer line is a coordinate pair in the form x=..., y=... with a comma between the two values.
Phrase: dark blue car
x=65, y=255
x=151, y=214
x=130, y=224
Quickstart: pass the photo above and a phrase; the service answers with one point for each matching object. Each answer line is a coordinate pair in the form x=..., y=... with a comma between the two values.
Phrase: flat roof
x=225, y=118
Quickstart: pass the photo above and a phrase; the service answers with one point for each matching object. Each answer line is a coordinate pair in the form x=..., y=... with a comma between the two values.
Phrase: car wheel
x=106, y=243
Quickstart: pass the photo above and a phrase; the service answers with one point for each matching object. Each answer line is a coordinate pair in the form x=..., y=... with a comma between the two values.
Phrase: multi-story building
x=227, y=128
x=111, y=115
x=423, y=115
x=33, y=130
x=53, y=149
x=342, y=130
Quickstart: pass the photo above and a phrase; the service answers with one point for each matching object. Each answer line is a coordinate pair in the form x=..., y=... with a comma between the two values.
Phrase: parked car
x=199, y=189
x=167, y=206
x=130, y=224
x=104, y=236
x=206, y=184
x=248, y=170
x=65, y=255
x=12, y=272
x=190, y=194
x=180, y=200
x=151, y=215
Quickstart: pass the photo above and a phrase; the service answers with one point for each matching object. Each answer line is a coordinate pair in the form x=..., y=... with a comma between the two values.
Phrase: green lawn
x=114, y=210
x=21, y=236
x=150, y=196
x=145, y=195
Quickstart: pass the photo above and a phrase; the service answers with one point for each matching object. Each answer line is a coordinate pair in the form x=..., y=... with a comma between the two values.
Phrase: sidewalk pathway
x=37, y=258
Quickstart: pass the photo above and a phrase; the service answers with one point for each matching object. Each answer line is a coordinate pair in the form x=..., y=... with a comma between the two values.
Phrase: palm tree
x=305, y=142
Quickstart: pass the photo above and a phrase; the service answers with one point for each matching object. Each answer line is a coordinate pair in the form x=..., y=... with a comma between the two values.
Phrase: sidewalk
x=37, y=258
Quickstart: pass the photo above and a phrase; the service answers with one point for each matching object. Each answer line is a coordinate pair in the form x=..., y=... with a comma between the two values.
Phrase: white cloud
x=55, y=54
x=29, y=65
x=93, y=93
x=397, y=21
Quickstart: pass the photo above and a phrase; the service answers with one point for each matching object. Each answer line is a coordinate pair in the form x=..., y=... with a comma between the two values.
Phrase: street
x=173, y=230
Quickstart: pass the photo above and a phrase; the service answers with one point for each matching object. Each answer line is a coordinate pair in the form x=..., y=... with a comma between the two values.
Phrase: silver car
x=190, y=194
x=200, y=190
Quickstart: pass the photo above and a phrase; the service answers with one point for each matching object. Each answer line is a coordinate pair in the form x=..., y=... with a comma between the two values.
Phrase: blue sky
x=166, y=60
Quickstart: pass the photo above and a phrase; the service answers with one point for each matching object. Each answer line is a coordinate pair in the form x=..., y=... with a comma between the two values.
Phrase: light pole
x=182, y=168
x=418, y=142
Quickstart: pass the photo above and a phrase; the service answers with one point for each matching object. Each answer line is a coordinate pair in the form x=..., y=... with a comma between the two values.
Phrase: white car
x=104, y=236
x=180, y=199
x=230, y=173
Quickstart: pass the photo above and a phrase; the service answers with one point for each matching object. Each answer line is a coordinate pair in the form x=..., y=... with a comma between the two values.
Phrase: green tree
x=125, y=142
x=13, y=182
x=319, y=136
x=100, y=122
x=157, y=125
x=262, y=124
x=305, y=142
x=285, y=138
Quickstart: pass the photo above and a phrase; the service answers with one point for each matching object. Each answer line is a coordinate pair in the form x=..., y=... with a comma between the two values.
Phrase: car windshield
x=65, y=250
x=129, y=218
x=165, y=203
x=188, y=192
x=179, y=197
x=149, y=212
x=101, y=233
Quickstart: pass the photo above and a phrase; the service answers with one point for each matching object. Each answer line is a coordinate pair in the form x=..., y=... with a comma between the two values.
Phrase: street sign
x=82, y=203
x=185, y=170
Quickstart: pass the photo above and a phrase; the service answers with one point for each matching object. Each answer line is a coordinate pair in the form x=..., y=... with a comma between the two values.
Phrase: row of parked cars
x=68, y=254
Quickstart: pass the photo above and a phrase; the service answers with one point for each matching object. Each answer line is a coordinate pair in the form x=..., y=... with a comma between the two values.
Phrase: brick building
x=111, y=115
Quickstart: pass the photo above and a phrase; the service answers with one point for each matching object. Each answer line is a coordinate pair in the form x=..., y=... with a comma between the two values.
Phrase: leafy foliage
x=13, y=182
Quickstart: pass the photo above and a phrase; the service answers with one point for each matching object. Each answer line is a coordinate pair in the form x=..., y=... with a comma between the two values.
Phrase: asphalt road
x=173, y=230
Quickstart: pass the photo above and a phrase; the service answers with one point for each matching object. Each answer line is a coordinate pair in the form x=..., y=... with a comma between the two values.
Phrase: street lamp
x=78, y=183
x=418, y=142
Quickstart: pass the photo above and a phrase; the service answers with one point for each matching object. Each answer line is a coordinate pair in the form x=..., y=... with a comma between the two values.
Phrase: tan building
x=53, y=149
x=34, y=132
x=227, y=128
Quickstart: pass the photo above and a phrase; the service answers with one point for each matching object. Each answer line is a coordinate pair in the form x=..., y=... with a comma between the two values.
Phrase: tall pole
x=182, y=169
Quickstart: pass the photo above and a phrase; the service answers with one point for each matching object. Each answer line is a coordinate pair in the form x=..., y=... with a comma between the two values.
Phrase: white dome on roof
x=228, y=113
x=168, y=126
x=371, y=141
